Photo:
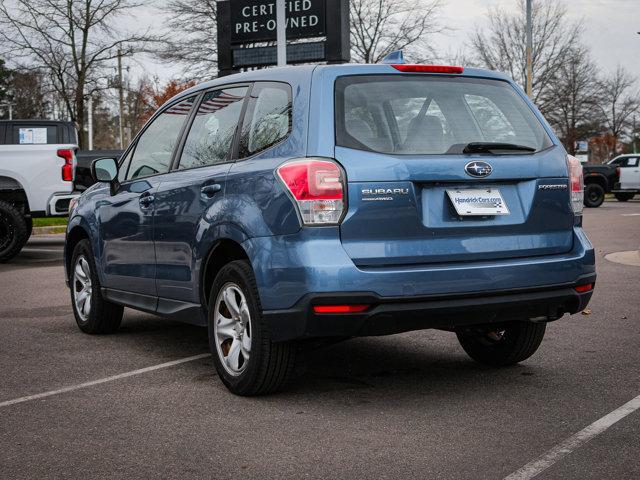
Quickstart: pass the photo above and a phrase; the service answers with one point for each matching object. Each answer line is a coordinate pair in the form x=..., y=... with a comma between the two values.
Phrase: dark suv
x=335, y=201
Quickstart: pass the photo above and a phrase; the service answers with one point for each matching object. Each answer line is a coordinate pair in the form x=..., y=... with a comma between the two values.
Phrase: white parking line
x=630, y=214
x=103, y=380
x=575, y=441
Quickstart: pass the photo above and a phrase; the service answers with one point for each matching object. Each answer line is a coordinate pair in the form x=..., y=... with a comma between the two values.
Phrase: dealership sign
x=253, y=21
x=247, y=32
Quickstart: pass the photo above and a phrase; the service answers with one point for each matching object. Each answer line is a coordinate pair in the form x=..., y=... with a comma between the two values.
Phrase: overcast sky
x=610, y=28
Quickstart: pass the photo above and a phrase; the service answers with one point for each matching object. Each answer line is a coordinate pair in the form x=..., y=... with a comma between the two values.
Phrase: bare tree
x=378, y=27
x=503, y=46
x=573, y=106
x=619, y=102
x=191, y=37
x=68, y=41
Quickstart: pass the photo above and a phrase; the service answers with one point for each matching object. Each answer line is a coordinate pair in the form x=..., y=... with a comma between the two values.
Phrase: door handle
x=146, y=200
x=210, y=190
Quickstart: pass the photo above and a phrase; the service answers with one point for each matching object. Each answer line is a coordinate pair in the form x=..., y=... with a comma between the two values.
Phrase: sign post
x=281, y=34
x=249, y=33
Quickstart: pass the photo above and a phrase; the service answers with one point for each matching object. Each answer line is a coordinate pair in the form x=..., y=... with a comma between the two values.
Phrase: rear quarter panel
x=256, y=202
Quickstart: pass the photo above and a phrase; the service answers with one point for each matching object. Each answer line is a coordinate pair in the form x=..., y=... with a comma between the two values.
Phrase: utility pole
x=121, y=99
x=90, y=121
x=281, y=34
x=529, y=84
x=10, y=106
x=634, y=133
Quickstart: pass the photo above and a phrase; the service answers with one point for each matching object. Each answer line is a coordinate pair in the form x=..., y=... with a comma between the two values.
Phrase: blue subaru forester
x=335, y=201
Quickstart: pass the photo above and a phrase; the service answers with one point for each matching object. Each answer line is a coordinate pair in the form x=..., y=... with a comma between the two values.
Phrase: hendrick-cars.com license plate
x=478, y=202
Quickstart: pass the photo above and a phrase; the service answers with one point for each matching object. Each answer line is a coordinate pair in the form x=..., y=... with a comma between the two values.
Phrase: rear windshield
x=418, y=114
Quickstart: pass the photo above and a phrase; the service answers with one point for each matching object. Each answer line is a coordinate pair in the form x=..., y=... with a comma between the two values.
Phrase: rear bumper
x=295, y=272
x=394, y=315
x=58, y=203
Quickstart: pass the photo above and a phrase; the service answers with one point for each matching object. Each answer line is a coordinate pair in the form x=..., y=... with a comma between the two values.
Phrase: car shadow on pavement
x=419, y=363
x=385, y=364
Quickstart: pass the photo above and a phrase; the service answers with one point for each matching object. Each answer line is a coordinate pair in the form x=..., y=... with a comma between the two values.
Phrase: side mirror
x=106, y=170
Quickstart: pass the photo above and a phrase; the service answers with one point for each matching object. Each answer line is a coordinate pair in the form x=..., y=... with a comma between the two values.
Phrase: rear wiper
x=489, y=147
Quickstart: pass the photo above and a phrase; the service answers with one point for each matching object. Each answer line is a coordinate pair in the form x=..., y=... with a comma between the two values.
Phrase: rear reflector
x=403, y=67
x=67, y=168
x=584, y=288
x=339, y=308
x=317, y=186
x=576, y=181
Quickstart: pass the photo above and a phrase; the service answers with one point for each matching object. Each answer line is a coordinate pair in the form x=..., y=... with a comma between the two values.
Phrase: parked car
x=288, y=204
x=36, y=177
x=606, y=178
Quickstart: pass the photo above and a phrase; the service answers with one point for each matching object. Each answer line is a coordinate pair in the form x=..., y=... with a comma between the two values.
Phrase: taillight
x=618, y=172
x=576, y=183
x=317, y=186
x=413, y=68
x=67, y=168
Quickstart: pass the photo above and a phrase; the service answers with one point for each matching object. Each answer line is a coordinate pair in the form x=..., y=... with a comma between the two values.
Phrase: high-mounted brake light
x=406, y=67
x=67, y=168
x=340, y=308
x=576, y=182
x=317, y=186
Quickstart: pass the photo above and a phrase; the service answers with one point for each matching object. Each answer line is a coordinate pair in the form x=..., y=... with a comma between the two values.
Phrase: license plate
x=478, y=202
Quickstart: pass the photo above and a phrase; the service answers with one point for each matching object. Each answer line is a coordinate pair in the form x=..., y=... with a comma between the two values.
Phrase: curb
x=49, y=230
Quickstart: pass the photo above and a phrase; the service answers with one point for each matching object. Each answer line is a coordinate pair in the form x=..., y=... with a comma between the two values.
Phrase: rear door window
x=35, y=134
x=268, y=118
x=214, y=126
x=154, y=149
x=422, y=114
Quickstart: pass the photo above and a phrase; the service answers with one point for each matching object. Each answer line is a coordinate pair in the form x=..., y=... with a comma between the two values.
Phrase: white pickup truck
x=37, y=164
x=629, y=184
x=625, y=184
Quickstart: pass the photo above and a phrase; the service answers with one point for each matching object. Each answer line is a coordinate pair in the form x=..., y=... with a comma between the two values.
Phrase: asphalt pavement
x=404, y=406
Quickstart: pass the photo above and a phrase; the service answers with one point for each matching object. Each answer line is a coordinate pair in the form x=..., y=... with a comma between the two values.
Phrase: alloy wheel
x=232, y=328
x=82, y=287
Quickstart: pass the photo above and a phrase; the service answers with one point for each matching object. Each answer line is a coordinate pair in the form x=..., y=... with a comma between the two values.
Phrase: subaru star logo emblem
x=478, y=169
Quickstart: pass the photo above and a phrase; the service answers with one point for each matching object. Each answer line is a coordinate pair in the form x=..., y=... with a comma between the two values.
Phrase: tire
x=102, y=316
x=506, y=346
x=624, y=197
x=593, y=195
x=13, y=231
x=29, y=221
x=235, y=322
